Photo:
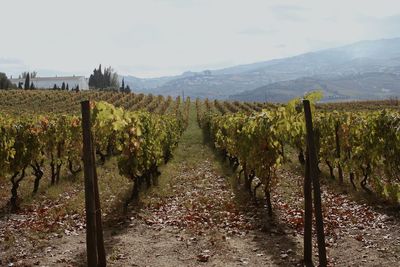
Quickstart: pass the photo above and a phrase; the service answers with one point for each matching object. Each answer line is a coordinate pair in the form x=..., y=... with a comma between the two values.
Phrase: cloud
x=256, y=31
x=289, y=12
x=11, y=61
x=136, y=36
x=179, y=3
x=384, y=27
x=12, y=66
x=171, y=36
x=281, y=46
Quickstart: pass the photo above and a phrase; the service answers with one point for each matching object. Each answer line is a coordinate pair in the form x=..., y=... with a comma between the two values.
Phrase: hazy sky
x=162, y=37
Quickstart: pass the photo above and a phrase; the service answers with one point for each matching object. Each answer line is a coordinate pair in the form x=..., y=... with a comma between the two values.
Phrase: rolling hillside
x=370, y=59
x=372, y=85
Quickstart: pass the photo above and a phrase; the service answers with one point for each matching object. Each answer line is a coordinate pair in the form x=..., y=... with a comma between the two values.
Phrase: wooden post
x=307, y=215
x=99, y=227
x=90, y=205
x=313, y=165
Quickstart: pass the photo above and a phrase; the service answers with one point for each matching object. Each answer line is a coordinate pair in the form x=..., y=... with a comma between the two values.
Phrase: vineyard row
x=364, y=146
x=140, y=140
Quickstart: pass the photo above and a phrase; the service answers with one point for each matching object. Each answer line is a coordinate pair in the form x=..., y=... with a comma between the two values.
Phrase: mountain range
x=363, y=70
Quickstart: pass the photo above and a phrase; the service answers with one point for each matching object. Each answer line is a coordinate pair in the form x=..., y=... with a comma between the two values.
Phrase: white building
x=49, y=82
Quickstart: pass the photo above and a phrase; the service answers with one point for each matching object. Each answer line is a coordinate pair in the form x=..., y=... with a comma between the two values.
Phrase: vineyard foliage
x=42, y=129
x=20, y=102
x=140, y=139
x=362, y=145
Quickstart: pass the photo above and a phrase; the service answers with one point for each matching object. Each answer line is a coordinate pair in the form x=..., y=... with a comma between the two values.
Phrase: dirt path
x=194, y=218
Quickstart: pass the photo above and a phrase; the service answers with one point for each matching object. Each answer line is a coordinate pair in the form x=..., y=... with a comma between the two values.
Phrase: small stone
x=203, y=257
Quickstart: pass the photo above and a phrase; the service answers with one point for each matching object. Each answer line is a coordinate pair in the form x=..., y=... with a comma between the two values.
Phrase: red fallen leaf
x=359, y=238
x=297, y=221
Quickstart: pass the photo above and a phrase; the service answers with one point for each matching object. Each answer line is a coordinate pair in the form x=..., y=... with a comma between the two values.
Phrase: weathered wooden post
x=90, y=205
x=307, y=215
x=313, y=168
x=96, y=255
x=102, y=261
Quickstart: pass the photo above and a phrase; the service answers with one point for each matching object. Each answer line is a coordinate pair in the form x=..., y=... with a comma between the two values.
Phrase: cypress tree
x=99, y=78
x=67, y=88
x=92, y=79
x=63, y=86
x=27, y=82
x=123, y=85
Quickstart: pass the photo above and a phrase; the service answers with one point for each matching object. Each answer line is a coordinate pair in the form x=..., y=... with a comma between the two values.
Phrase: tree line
x=106, y=79
x=5, y=83
x=65, y=86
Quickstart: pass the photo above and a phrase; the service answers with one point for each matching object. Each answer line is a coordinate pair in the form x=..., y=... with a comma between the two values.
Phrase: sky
x=151, y=38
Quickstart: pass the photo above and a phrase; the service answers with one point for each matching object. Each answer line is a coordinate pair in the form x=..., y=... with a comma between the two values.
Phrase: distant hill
x=364, y=59
x=139, y=84
x=372, y=85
